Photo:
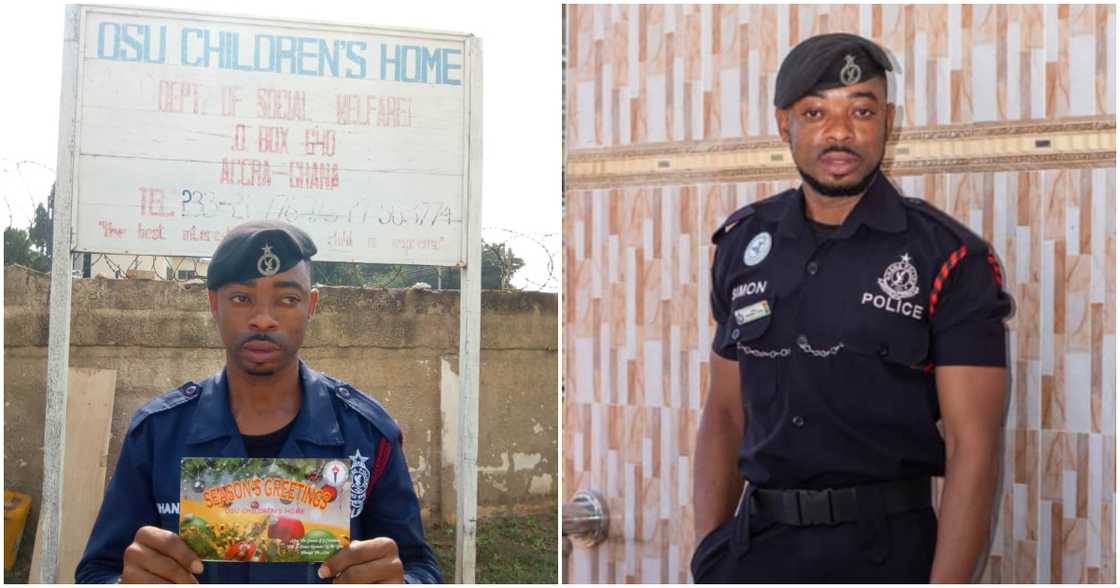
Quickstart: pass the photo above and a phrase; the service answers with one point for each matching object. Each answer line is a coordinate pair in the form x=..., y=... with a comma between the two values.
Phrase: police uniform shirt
x=194, y=420
x=836, y=340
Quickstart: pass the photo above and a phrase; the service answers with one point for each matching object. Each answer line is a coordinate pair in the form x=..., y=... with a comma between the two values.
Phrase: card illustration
x=264, y=510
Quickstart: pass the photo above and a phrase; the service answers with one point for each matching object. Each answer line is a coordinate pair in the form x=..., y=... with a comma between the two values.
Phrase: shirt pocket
x=904, y=347
x=749, y=322
x=888, y=371
x=760, y=354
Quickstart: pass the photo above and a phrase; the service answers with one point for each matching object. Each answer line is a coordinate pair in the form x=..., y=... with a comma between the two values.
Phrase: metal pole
x=470, y=308
x=58, y=347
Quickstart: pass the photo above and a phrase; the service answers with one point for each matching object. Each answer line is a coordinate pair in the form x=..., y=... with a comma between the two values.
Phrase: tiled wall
x=637, y=323
x=641, y=74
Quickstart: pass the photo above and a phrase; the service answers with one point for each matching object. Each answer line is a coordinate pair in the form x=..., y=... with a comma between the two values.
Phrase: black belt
x=832, y=506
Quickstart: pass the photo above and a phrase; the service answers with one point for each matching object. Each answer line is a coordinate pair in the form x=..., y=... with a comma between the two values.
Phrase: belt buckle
x=815, y=507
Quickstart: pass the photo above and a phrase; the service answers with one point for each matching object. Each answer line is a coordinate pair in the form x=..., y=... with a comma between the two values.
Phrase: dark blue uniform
x=194, y=420
x=836, y=340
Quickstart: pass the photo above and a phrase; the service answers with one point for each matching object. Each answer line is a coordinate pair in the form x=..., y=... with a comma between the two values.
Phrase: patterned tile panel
x=637, y=323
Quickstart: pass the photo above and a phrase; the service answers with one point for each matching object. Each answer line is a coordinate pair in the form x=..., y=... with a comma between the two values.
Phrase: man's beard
x=843, y=190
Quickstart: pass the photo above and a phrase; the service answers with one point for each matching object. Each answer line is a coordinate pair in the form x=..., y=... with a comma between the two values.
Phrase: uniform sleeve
x=720, y=311
x=968, y=318
x=392, y=510
x=127, y=506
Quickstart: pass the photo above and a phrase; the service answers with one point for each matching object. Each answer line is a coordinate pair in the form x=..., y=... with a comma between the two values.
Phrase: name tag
x=752, y=312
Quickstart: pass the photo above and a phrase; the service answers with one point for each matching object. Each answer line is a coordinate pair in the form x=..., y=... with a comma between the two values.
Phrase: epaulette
x=370, y=409
x=965, y=235
x=731, y=221
x=164, y=402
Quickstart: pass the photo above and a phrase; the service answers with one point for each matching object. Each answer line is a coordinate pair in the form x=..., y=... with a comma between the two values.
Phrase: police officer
x=850, y=321
x=265, y=403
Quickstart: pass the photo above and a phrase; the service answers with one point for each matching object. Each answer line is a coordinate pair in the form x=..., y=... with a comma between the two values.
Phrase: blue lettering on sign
x=131, y=42
x=282, y=54
x=358, y=59
x=184, y=46
x=416, y=64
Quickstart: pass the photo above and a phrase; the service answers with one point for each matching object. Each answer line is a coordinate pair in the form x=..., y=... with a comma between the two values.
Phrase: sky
x=522, y=160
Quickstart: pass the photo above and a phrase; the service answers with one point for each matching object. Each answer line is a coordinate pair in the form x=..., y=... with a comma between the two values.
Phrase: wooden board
x=89, y=421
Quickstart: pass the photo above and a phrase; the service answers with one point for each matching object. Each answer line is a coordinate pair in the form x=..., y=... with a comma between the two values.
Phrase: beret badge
x=268, y=264
x=850, y=73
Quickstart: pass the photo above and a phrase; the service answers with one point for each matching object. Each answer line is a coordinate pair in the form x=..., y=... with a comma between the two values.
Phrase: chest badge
x=359, y=484
x=757, y=249
x=899, y=282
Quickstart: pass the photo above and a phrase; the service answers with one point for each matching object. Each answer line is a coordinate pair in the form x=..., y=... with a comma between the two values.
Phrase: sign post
x=470, y=320
x=177, y=126
x=58, y=343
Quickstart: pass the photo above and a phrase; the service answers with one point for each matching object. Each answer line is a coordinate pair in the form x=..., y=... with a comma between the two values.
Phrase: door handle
x=586, y=520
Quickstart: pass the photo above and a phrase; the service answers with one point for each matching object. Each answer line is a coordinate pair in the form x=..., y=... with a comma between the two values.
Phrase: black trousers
x=898, y=550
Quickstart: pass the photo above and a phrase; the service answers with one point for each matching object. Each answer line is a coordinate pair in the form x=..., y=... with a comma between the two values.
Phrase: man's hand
x=158, y=556
x=374, y=561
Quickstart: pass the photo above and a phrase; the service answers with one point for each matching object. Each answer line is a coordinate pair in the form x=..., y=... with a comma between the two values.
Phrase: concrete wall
x=399, y=346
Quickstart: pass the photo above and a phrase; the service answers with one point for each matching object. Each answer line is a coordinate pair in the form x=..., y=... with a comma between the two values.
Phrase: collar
x=879, y=208
x=316, y=422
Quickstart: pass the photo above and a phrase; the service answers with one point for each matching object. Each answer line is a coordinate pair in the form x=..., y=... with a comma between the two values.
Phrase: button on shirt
x=837, y=338
x=335, y=421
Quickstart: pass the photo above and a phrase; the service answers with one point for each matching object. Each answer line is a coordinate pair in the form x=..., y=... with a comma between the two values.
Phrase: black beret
x=258, y=249
x=827, y=61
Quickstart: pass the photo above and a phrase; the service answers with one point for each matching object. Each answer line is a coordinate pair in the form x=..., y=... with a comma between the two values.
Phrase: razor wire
x=524, y=260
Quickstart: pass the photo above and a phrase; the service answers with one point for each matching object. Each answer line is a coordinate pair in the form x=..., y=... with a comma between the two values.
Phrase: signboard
x=189, y=124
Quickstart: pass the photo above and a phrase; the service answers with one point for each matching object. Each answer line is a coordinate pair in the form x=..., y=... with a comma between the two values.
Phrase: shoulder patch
x=731, y=221
x=768, y=208
x=965, y=235
x=164, y=402
x=370, y=409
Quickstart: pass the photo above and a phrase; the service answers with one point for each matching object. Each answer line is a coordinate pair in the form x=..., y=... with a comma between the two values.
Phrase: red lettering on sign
x=181, y=97
x=272, y=140
x=313, y=175
x=318, y=142
x=110, y=232
x=381, y=111
x=281, y=104
x=246, y=172
x=150, y=233
x=196, y=234
x=152, y=203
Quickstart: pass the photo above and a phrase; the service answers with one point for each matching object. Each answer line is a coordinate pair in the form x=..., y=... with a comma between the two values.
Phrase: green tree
x=32, y=247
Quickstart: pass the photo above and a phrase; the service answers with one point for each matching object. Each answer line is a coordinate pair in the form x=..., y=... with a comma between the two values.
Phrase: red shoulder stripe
x=992, y=261
x=939, y=282
x=380, y=463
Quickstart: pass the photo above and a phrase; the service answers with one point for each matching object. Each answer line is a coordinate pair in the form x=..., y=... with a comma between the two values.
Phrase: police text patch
x=899, y=282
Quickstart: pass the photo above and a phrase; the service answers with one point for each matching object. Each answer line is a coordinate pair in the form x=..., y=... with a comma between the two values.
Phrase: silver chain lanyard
x=785, y=351
x=820, y=352
x=774, y=354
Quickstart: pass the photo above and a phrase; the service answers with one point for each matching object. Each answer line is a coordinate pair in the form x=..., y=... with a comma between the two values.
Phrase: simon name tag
x=752, y=312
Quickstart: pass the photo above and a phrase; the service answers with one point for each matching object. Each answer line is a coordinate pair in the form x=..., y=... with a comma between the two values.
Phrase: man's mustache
x=277, y=340
x=839, y=149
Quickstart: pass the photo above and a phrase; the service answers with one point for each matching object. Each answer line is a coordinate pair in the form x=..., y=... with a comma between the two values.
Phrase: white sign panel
x=189, y=124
